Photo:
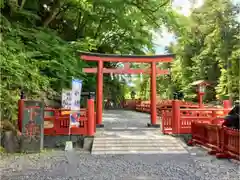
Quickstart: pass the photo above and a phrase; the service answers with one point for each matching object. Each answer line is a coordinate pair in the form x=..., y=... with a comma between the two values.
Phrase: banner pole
x=71, y=109
x=69, y=129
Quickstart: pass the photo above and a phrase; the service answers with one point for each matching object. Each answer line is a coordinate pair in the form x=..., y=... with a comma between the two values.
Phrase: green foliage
x=35, y=61
x=2, y=150
x=40, y=40
x=209, y=50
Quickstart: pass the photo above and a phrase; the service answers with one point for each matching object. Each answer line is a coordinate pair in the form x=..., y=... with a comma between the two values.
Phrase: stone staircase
x=125, y=132
x=160, y=144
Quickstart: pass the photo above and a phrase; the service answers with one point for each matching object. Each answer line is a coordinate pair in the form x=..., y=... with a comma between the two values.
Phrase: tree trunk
x=22, y=4
x=55, y=10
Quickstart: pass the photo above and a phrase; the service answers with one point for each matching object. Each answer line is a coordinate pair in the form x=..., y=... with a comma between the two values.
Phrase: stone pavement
x=125, y=132
x=76, y=165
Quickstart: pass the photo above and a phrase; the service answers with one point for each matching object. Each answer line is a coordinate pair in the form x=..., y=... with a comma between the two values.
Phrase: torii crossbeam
x=125, y=71
x=153, y=71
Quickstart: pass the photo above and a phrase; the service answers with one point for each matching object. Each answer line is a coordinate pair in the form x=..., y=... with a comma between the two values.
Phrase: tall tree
x=40, y=40
x=209, y=50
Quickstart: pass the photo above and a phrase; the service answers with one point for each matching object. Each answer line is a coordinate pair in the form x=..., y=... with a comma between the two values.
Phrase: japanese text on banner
x=75, y=103
x=76, y=94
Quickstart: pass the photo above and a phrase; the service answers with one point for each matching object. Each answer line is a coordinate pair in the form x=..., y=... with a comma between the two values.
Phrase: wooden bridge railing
x=222, y=141
x=178, y=121
x=57, y=121
x=60, y=121
x=177, y=115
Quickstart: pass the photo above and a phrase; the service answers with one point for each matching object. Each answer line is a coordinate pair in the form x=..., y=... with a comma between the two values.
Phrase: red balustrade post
x=176, y=117
x=163, y=115
x=57, y=112
x=226, y=105
x=200, y=100
x=91, y=118
x=214, y=114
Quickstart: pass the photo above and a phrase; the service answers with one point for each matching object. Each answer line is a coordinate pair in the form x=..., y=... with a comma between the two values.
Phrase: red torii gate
x=101, y=58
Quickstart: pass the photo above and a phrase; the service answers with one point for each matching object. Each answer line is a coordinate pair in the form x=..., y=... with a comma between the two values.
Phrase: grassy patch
x=2, y=150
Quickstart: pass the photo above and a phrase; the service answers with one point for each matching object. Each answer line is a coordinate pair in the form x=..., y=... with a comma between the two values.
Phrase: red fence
x=60, y=121
x=130, y=104
x=165, y=104
x=177, y=116
x=178, y=121
x=145, y=106
x=223, y=141
x=57, y=121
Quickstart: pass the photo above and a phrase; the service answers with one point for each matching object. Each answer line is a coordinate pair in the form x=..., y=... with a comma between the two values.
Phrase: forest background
x=40, y=40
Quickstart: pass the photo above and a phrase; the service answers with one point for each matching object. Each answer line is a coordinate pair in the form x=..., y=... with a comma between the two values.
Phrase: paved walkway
x=76, y=165
x=125, y=132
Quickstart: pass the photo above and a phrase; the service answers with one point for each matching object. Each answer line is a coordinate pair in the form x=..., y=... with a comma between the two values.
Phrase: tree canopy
x=40, y=40
x=207, y=48
x=210, y=50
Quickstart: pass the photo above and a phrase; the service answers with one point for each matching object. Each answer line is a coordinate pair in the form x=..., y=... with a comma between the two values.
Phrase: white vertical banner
x=76, y=94
x=75, y=103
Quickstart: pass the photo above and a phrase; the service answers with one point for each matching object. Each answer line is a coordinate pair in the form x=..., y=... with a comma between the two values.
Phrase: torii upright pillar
x=153, y=71
x=99, y=94
x=153, y=97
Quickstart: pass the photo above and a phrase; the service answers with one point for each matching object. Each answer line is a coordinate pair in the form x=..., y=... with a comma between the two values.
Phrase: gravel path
x=81, y=165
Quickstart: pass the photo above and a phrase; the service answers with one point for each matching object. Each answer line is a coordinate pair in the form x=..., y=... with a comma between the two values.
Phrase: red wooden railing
x=178, y=116
x=145, y=106
x=130, y=104
x=166, y=115
x=58, y=122
x=61, y=120
x=223, y=141
x=229, y=143
x=179, y=121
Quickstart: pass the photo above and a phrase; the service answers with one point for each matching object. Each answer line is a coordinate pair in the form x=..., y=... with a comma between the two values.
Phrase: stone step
x=157, y=138
x=162, y=145
x=136, y=140
x=140, y=148
x=114, y=152
x=135, y=145
x=147, y=142
x=131, y=128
